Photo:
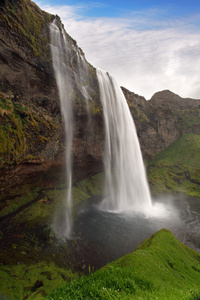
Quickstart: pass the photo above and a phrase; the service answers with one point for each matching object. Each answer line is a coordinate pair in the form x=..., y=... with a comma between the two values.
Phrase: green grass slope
x=177, y=168
x=160, y=268
x=32, y=281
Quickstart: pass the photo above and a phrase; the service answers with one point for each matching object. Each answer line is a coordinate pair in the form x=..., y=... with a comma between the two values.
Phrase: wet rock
x=38, y=284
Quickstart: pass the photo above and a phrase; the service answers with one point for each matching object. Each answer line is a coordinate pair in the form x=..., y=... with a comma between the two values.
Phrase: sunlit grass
x=161, y=268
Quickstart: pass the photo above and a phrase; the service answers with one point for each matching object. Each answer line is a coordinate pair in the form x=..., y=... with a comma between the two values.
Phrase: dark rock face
x=163, y=119
x=19, y=75
x=31, y=125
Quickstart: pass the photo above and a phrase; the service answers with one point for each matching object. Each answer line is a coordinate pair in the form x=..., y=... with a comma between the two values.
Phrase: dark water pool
x=102, y=236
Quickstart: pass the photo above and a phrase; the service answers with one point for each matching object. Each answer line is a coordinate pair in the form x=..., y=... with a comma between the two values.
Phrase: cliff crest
x=163, y=119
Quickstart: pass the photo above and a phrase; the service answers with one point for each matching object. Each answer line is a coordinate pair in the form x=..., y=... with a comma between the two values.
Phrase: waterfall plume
x=126, y=186
x=62, y=224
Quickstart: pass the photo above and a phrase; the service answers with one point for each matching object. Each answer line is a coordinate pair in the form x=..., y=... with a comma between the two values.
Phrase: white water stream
x=72, y=74
x=62, y=224
x=126, y=186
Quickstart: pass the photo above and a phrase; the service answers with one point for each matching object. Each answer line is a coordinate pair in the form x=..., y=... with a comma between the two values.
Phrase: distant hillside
x=161, y=268
x=163, y=119
x=177, y=168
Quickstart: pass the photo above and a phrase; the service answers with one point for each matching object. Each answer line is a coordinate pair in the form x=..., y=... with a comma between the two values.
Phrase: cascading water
x=72, y=75
x=126, y=186
x=62, y=224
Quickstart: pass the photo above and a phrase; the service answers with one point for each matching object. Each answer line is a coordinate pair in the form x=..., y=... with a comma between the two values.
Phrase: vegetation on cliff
x=24, y=133
x=160, y=268
x=32, y=261
x=163, y=119
x=26, y=19
x=27, y=83
x=23, y=281
x=177, y=168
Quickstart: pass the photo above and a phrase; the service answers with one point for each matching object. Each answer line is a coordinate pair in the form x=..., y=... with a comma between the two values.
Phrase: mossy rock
x=27, y=20
x=177, y=168
x=32, y=281
x=23, y=134
x=32, y=261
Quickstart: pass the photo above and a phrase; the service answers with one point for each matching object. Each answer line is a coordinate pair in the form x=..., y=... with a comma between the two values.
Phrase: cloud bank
x=144, y=51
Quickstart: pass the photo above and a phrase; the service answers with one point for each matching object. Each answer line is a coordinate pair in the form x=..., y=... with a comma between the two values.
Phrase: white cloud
x=143, y=51
x=64, y=12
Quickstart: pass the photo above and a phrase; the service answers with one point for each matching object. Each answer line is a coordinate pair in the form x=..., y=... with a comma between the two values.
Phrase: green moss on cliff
x=187, y=118
x=27, y=19
x=27, y=238
x=32, y=282
x=93, y=185
x=23, y=134
x=12, y=205
x=25, y=210
x=12, y=137
x=137, y=112
x=95, y=108
x=177, y=168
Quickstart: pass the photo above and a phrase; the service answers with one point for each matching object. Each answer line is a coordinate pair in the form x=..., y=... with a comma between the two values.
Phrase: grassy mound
x=177, y=168
x=160, y=268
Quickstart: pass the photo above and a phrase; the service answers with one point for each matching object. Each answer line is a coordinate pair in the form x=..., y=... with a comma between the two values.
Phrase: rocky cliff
x=31, y=125
x=163, y=119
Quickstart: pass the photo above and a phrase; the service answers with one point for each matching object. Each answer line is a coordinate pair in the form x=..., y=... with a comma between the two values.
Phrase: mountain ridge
x=162, y=119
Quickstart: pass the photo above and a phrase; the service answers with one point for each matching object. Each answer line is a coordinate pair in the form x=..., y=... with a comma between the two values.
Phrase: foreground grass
x=32, y=263
x=160, y=268
x=20, y=281
x=177, y=168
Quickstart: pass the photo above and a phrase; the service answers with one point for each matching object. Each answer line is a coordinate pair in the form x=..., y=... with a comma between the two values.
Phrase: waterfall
x=126, y=186
x=62, y=224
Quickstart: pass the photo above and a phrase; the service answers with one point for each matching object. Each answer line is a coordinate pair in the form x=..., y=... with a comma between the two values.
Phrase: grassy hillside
x=161, y=268
x=177, y=168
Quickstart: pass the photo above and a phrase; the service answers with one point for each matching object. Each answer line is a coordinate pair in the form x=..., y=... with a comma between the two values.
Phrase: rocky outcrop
x=163, y=119
x=31, y=126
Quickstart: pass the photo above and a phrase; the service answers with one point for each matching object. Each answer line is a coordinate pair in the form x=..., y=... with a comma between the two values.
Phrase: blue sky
x=147, y=46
